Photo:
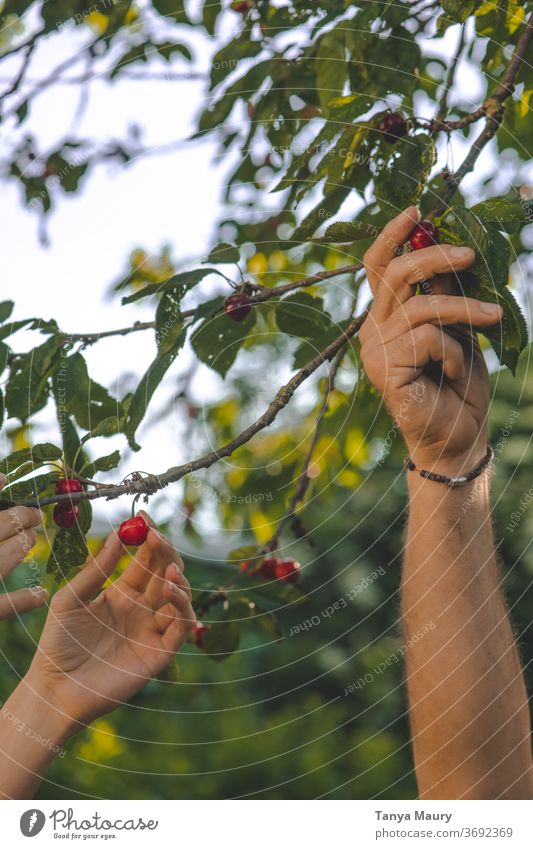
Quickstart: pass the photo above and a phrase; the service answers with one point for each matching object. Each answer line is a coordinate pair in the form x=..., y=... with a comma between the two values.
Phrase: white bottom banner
x=268, y=824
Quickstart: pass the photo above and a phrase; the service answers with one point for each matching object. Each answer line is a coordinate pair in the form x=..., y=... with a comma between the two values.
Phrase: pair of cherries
x=66, y=514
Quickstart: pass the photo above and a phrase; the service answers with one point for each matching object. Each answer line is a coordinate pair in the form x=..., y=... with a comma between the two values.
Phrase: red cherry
x=268, y=568
x=133, y=531
x=242, y=8
x=237, y=306
x=199, y=631
x=65, y=516
x=287, y=570
x=67, y=485
x=393, y=126
x=424, y=235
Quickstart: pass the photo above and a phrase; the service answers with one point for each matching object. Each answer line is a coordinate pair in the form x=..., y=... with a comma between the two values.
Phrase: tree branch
x=443, y=104
x=258, y=298
x=153, y=483
x=493, y=109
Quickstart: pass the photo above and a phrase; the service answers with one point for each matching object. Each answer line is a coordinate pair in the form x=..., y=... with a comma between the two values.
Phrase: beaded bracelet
x=458, y=481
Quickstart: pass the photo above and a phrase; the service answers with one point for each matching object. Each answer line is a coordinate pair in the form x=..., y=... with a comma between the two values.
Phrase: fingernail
x=491, y=309
x=3, y=480
x=174, y=587
x=40, y=592
x=461, y=252
x=414, y=212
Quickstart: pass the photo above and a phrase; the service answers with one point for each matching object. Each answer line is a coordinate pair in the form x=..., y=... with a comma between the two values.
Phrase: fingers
x=412, y=268
x=175, y=618
x=21, y=601
x=428, y=343
x=14, y=550
x=151, y=559
x=86, y=584
x=438, y=309
x=387, y=244
x=18, y=519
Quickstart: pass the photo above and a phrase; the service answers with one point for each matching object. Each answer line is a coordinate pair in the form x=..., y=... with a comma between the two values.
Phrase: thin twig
x=443, y=104
x=493, y=108
x=303, y=481
x=153, y=483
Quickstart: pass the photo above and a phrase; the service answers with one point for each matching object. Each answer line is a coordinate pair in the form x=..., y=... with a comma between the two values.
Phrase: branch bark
x=493, y=109
x=153, y=483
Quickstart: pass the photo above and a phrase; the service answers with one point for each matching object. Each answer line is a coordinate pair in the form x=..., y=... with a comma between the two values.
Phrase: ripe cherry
x=65, y=515
x=268, y=568
x=424, y=235
x=133, y=531
x=242, y=8
x=199, y=631
x=393, y=126
x=237, y=306
x=67, y=485
x=287, y=570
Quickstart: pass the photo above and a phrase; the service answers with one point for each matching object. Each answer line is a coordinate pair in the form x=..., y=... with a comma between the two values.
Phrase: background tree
x=331, y=117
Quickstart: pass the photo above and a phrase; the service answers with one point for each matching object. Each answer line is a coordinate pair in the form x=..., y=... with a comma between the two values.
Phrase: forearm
x=468, y=703
x=32, y=733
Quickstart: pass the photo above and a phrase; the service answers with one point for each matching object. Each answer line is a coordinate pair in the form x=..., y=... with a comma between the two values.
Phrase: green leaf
x=69, y=551
x=326, y=207
x=209, y=308
x=342, y=232
x=302, y=315
x=461, y=226
x=330, y=67
x=401, y=179
x=217, y=340
x=510, y=337
x=85, y=399
x=37, y=455
x=6, y=308
x=28, y=389
x=172, y=9
x=507, y=213
x=224, y=253
x=144, y=392
x=458, y=10
x=103, y=464
x=186, y=280
x=222, y=640
x=210, y=12
x=32, y=488
x=107, y=427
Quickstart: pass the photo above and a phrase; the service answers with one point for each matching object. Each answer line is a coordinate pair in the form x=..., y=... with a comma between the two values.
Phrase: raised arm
x=468, y=704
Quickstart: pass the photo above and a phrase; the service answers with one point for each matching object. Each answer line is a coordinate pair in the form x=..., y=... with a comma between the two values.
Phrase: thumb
x=89, y=580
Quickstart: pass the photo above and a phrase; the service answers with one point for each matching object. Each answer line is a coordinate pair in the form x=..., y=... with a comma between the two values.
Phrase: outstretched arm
x=97, y=650
x=467, y=699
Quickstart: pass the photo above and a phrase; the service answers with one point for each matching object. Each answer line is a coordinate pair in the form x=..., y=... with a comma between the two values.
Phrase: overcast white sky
x=171, y=199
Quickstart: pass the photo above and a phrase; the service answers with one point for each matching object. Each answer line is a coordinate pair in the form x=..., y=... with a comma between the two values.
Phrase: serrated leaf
x=326, y=207
x=209, y=308
x=186, y=280
x=144, y=393
x=461, y=226
x=401, y=179
x=342, y=232
x=102, y=464
x=39, y=454
x=330, y=66
x=217, y=340
x=302, y=315
x=224, y=253
x=510, y=337
x=28, y=389
x=69, y=551
x=107, y=427
x=31, y=488
x=507, y=214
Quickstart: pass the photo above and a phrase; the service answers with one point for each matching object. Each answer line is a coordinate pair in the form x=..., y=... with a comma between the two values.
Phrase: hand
x=17, y=540
x=96, y=653
x=433, y=380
